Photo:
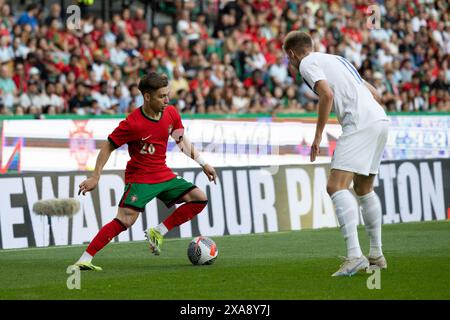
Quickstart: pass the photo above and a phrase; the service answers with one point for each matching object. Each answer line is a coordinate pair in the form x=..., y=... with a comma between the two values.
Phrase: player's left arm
x=325, y=94
x=188, y=148
x=374, y=92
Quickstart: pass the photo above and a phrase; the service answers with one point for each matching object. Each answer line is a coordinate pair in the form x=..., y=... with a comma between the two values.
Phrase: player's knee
x=201, y=198
x=361, y=190
x=198, y=196
x=128, y=223
x=127, y=218
x=332, y=188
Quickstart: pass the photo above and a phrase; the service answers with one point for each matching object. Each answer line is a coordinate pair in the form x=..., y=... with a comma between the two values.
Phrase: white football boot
x=377, y=262
x=351, y=266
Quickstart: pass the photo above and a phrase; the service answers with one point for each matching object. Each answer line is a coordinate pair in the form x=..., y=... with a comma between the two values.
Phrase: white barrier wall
x=245, y=200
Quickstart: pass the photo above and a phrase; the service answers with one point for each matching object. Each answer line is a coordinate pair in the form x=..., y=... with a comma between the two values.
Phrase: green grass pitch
x=284, y=265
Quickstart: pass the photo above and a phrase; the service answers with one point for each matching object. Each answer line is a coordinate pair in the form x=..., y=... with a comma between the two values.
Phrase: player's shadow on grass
x=159, y=268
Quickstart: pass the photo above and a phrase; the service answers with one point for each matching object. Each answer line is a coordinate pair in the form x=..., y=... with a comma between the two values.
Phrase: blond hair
x=297, y=40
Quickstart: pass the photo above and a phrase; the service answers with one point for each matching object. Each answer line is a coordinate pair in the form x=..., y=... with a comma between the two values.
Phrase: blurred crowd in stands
x=221, y=57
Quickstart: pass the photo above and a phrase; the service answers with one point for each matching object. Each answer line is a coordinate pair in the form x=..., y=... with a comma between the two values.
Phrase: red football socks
x=105, y=235
x=184, y=213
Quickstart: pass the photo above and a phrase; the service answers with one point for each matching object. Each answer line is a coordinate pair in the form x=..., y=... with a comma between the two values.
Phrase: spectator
x=278, y=71
x=217, y=54
x=8, y=88
x=406, y=71
x=32, y=100
x=101, y=70
x=55, y=16
x=7, y=20
x=243, y=70
x=34, y=74
x=118, y=54
x=51, y=101
x=3, y=109
x=6, y=50
x=138, y=22
x=201, y=83
x=217, y=77
x=29, y=17
x=63, y=95
x=241, y=101
x=81, y=103
x=117, y=80
x=440, y=83
x=19, y=78
x=179, y=82
x=187, y=28
x=214, y=102
x=19, y=49
x=256, y=59
x=136, y=97
x=104, y=100
x=119, y=100
x=108, y=35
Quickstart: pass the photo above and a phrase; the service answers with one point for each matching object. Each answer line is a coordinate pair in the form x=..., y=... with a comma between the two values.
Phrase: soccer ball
x=202, y=250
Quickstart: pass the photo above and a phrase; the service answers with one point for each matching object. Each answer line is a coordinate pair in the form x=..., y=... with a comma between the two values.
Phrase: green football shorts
x=137, y=195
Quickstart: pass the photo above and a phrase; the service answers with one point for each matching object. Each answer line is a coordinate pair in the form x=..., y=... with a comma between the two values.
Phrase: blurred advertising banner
x=72, y=145
x=245, y=200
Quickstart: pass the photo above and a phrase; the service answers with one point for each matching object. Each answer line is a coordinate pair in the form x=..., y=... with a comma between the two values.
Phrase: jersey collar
x=151, y=119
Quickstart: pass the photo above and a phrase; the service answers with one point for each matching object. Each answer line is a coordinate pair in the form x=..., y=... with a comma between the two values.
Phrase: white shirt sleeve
x=311, y=72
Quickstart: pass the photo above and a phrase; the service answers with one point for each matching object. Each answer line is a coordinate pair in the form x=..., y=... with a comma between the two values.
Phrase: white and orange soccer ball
x=202, y=250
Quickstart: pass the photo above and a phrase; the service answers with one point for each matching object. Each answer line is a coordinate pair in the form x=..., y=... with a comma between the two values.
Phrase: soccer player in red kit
x=146, y=131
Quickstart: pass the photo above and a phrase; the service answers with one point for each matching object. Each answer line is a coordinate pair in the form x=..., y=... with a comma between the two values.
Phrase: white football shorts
x=361, y=151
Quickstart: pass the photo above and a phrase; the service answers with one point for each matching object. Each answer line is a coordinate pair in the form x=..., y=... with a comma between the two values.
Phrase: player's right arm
x=314, y=76
x=325, y=104
x=90, y=183
x=121, y=135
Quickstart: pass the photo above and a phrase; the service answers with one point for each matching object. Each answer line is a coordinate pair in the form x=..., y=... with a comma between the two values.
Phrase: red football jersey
x=147, y=144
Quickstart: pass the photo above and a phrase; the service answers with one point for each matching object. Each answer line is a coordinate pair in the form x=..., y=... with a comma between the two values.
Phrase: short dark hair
x=152, y=82
x=297, y=40
x=31, y=7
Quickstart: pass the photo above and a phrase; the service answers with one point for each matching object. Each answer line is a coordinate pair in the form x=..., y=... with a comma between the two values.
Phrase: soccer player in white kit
x=358, y=150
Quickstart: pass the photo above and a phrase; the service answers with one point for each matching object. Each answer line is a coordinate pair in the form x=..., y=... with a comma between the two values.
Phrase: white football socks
x=85, y=257
x=347, y=213
x=371, y=212
x=161, y=228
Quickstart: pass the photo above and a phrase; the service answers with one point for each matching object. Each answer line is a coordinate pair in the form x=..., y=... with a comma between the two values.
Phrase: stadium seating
x=222, y=56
